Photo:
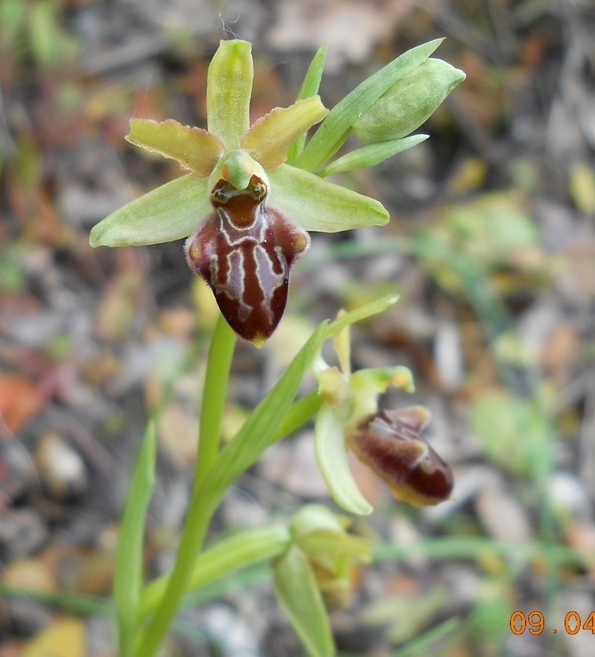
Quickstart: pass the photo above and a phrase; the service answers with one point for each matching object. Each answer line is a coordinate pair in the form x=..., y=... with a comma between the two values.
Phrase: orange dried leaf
x=20, y=400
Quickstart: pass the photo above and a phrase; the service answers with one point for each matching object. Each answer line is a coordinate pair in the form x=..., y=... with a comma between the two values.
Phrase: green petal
x=331, y=454
x=317, y=204
x=269, y=139
x=335, y=129
x=193, y=148
x=167, y=213
x=367, y=384
x=229, y=88
x=370, y=156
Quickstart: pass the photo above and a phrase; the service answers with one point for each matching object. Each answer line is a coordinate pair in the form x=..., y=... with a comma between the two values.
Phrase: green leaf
x=335, y=129
x=128, y=577
x=361, y=313
x=300, y=599
x=168, y=213
x=268, y=140
x=222, y=559
x=193, y=148
x=371, y=155
x=313, y=76
x=331, y=455
x=298, y=414
x=229, y=88
x=422, y=645
x=309, y=88
x=260, y=429
x=317, y=204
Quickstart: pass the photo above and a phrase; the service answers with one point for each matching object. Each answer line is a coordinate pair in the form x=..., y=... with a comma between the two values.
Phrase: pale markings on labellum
x=244, y=251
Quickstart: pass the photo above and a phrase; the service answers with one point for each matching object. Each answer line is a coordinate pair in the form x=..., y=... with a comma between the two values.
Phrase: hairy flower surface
x=245, y=251
x=391, y=444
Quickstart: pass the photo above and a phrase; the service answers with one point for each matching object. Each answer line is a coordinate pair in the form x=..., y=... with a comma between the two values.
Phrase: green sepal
x=167, y=213
x=300, y=599
x=194, y=148
x=128, y=575
x=229, y=88
x=269, y=139
x=370, y=156
x=319, y=205
x=334, y=130
x=331, y=455
x=222, y=559
x=309, y=87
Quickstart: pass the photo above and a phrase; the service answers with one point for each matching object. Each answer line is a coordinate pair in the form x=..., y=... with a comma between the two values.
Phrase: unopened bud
x=407, y=104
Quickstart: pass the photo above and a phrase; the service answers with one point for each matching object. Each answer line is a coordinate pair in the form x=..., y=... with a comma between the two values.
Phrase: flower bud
x=332, y=552
x=407, y=104
x=391, y=444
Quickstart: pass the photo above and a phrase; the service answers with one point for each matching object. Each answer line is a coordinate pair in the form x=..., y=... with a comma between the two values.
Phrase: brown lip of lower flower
x=391, y=444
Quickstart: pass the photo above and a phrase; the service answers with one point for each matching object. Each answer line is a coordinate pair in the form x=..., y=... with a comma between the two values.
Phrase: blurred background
x=491, y=247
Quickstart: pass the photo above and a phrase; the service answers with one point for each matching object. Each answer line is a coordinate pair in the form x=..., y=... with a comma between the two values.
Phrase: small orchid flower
x=244, y=209
x=389, y=442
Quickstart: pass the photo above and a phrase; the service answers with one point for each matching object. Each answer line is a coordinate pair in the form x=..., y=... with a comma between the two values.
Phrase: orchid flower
x=244, y=210
x=389, y=442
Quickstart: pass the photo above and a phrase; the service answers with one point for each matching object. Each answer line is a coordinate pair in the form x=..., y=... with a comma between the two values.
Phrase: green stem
x=213, y=396
x=200, y=509
x=191, y=541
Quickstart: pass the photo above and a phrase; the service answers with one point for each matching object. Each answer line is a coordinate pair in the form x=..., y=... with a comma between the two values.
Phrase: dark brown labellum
x=391, y=444
x=244, y=251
